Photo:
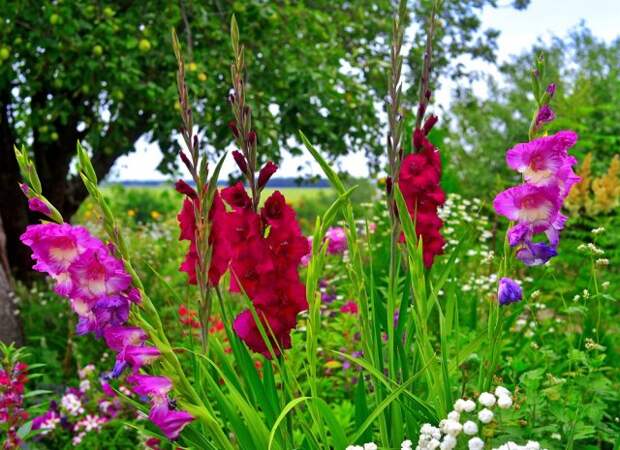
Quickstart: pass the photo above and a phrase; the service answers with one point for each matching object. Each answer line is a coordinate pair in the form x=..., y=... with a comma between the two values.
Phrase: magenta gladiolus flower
x=337, y=240
x=117, y=338
x=97, y=273
x=55, y=247
x=171, y=422
x=150, y=386
x=509, y=291
x=141, y=356
x=541, y=159
x=536, y=206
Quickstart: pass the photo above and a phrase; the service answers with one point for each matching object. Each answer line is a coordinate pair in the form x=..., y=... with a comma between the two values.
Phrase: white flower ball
x=433, y=444
x=475, y=444
x=453, y=427
x=459, y=405
x=532, y=445
x=427, y=428
x=448, y=442
x=504, y=402
x=486, y=399
x=485, y=415
x=453, y=415
x=470, y=428
x=469, y=406
x=502, y=391
x=406, y=445
x=371, y=446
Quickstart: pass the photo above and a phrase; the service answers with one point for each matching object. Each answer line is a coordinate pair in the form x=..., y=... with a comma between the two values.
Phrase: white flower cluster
x=368, y=446
x=72, y=404
x=464, y=420
x=531, y=445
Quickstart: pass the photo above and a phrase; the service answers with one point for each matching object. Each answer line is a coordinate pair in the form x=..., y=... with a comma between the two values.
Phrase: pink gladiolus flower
x=117, y=338
x=171, y=422
x=337, y=240
x=541, y=159
x=97, y=273
x=141, y=356
x=536, y=206
x=150, y=385
x=55, y=247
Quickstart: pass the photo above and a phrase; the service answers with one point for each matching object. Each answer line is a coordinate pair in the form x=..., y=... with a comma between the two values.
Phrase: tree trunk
x=10, y=328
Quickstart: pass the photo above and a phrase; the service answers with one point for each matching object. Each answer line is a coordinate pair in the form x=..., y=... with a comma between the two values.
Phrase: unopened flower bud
x=429, y=124
x=184, y=188
x=233, y=127
x=551, y=90
x=240, y=160
x=388, y=185
x=265, y=173
x=185, y=159
x=251, y=137
x=545, y=115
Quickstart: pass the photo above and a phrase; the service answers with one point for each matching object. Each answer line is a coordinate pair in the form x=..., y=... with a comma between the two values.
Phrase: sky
x=519, y=30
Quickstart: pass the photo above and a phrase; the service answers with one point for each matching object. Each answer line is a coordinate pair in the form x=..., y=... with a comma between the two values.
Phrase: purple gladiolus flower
x=509, y=291
x=536, y=253
x=141, y=356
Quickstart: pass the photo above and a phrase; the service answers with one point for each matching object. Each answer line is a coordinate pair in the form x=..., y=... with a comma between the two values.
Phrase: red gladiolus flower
x=419, y=182
x=266, y=252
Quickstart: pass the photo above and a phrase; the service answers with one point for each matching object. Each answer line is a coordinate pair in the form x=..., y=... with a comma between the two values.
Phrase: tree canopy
x=104, y=73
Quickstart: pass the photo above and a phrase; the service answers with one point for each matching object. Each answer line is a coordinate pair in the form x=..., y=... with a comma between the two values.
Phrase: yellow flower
x=131, y=212
x=333, y=364
x=155, y=215
x=607, y=189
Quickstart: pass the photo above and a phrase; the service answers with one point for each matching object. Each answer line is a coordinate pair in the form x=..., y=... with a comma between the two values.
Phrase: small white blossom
x=452, y=427
x=486, y=399
x=371, y=446
x=475, y=444
x=470, y=428
x=501, y=390
x=448, y=442
x=469, y=406
x=454, y=415
x=485, y=415
x=504, y=402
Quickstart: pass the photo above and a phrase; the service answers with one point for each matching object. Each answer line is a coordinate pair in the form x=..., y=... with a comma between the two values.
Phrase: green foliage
x=586, y=72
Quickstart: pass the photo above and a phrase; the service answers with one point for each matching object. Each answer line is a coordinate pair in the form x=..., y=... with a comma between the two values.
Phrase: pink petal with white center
x=536, y=206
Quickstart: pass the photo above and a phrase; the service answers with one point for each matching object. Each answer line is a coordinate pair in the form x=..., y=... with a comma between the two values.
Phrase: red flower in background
x=419, y=182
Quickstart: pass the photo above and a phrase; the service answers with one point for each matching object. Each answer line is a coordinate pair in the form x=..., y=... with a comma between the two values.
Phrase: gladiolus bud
x=418, y=138
x=240, y=160
x=233, y=127
x=388, y=185
x=265, y=173
x=186, y=160
x=429, y=124
x=551, y=90
x=509, y=291
x=252, y=137
x=184, y=188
